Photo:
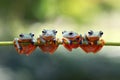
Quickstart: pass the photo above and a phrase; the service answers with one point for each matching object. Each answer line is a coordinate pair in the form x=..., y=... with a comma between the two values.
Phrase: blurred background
x=25, y=16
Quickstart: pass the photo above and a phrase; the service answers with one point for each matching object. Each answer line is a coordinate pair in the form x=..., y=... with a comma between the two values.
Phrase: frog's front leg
x=81, y=41
x=54, y=40
x=57, y=41
x=85, y=41
x=66, y=41
x=33, y=41
x=66, y=44
x=100, y=42
x=17, y=44
x=42, y=40
x=69, y=41
x=97, y=42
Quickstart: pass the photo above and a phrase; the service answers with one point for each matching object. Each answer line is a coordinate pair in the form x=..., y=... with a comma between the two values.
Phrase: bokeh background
x=25, y=16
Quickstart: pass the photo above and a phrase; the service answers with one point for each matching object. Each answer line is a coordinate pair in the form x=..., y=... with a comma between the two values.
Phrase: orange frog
x=28, y=47
x=47, y=42
x=92, y=42
x=71, y=40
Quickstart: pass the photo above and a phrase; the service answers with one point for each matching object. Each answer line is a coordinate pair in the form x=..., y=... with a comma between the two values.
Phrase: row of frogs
x=48, y=42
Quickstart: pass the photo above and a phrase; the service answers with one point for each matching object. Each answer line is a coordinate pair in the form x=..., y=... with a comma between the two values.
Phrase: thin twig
x=112, y=44
x=7, y=43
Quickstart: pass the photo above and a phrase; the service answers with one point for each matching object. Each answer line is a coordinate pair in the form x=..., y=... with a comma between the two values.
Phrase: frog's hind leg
x=44, y=48
x=42, y=40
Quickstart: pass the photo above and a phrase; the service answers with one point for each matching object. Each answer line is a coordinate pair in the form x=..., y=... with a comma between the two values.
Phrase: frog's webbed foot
x=17, y=44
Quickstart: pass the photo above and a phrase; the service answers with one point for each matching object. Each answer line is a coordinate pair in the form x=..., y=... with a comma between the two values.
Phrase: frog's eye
x=32, y=34
x=90, y=32
x=21, y=35
x=71, y=33
x=101, y=33
x=54, y=31
x=63, y=32
x=43, y=31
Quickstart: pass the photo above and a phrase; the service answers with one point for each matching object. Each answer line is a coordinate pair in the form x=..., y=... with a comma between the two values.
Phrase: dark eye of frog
x=55, y=31
x=90, y=32
x=43, y=31
x=21, y=35
x=71, y=33
x=101, y=33
x=64, y=32
x=31, y=34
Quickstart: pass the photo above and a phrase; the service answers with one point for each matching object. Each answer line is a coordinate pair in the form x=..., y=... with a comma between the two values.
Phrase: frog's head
x=94, y=35
x=49, y=34
x=69, y=34
x=26, y=36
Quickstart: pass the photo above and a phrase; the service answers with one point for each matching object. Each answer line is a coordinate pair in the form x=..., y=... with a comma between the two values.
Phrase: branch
x=8, y=43
x=112, y=44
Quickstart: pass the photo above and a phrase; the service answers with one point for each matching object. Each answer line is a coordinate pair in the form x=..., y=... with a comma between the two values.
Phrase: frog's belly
x=48, y=48
x=74, y=45
x=91, y=48
x=28, y=49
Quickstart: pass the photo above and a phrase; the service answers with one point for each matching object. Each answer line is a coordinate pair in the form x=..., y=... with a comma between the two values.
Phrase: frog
x=92, y=42
x=71, y=40
x=25, y=48
x=48, y=42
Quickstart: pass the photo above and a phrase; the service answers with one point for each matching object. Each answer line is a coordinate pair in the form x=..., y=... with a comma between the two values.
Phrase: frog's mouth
x=93, y=38
x=48, y=37
x=73, y=38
